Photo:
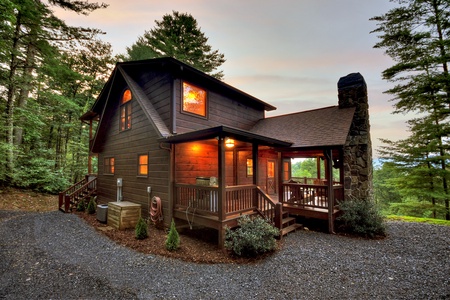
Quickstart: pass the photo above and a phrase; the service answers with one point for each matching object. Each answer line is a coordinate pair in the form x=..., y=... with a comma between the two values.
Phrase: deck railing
x=202, y=199
x=309, y=195
x=238, y=200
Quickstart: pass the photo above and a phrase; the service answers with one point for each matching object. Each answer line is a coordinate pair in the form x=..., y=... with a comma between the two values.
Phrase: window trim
x=139, y=165
x=183, y=111
x=126, y=107
x=108, y=167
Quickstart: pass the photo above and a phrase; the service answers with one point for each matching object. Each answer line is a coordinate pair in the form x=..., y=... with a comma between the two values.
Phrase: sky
x=288, y=53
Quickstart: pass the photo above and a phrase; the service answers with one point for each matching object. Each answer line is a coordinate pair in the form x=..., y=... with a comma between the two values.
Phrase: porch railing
x=201, y=199
x=309, y=195
x=238, y=200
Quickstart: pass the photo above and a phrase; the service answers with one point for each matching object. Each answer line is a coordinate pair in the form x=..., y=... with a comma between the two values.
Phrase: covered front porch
x=213, y=183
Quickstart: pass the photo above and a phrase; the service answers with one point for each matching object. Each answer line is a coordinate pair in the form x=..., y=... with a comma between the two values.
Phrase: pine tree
x=416, y=35
x=178, y=36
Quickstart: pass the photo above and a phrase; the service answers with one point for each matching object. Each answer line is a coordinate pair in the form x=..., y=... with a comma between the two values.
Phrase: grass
x=418, y=220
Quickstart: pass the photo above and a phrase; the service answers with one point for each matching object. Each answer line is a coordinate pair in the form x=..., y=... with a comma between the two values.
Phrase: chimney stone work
x=358, y=170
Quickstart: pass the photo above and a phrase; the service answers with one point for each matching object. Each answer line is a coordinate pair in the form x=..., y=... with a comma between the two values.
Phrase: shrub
x=81, y=206
x=362, y=218
x=252, y=237
x=91, y=206
x=141, y=229
x=173, y=239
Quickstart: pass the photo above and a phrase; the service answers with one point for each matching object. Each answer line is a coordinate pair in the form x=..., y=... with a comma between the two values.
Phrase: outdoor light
x=229, y=143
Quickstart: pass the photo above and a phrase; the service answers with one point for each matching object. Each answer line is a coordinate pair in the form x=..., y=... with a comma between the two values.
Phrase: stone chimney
x=352, y=92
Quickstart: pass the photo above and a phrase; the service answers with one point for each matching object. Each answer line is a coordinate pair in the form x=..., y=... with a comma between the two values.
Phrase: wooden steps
x=288, y=224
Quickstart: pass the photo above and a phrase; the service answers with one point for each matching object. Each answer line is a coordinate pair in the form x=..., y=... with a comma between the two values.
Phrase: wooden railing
x=82, y=189
x=238, y=200
x=202, y=199
x=309, y=195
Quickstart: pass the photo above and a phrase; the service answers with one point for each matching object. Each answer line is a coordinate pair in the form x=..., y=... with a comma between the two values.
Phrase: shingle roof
x=327, y=126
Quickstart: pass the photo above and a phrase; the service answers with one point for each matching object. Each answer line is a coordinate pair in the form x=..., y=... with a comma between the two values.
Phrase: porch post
x=255, y=172
x=329, y=176
x=221, y=196
x=255, y=163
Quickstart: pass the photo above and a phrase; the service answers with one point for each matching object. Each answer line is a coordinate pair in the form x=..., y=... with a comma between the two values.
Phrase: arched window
x=125, y=110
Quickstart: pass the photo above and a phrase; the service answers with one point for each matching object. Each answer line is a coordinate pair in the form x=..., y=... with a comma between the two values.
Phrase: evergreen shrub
x=252, y=238
x=362, y=217
x=91, y=206
x=81, y=206
x=141, y=229
x=173, y=238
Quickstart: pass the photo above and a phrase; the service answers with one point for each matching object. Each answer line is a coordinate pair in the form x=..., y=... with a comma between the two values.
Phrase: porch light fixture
x=229, y=143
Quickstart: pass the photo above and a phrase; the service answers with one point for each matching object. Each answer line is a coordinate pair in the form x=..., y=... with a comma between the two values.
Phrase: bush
x=362, y=218
x=252, y=237
x=173, y=239
x=141, y=229
x=91, y=206
x=81, y=206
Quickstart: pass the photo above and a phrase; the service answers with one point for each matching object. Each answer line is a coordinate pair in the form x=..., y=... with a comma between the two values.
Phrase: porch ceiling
x=225, y=131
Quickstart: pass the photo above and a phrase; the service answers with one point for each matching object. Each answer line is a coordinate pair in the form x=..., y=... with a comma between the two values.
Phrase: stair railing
x=269, y=209
x=74, y=192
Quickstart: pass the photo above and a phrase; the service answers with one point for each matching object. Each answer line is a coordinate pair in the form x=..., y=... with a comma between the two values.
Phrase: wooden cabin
x=162, y=130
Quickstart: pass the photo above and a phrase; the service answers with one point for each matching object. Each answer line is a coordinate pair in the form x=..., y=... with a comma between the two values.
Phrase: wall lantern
x=229, y=143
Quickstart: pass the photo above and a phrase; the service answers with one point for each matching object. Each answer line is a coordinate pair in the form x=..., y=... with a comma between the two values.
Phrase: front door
x=271, y=183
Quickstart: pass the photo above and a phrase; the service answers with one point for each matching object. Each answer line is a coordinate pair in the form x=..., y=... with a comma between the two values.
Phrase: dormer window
x=125, y=110
x=194, y=100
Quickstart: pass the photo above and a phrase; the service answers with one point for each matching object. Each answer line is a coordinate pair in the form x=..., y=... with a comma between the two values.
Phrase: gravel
x=58, y=256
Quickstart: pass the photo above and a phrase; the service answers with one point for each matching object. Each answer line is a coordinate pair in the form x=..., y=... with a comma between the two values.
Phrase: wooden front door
x=271, y=183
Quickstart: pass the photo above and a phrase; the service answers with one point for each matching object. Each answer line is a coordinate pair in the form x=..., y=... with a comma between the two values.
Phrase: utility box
x=123, y=215
x=102, y=213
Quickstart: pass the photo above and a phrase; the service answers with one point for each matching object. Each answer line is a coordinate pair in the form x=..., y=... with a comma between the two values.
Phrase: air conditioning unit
x=102, y=213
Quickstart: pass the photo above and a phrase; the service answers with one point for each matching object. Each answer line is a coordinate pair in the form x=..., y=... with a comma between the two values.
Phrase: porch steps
x=289, y=224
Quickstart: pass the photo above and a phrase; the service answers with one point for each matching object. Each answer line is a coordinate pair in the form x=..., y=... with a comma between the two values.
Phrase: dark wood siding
x=125, y=147
x=221, y=111
x=158, y=88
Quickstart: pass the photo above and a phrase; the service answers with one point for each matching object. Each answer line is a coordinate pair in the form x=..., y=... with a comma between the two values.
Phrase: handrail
x=68, y=196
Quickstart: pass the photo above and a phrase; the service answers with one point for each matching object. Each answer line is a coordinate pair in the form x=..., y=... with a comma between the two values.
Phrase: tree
x=38, y=86
x=178, y=36
x=416, y=35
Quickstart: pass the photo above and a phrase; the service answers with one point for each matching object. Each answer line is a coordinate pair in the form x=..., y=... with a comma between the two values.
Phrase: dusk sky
x=289, y=53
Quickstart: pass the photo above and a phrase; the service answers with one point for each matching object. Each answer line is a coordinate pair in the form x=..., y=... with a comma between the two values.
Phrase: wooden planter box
x=123, y=215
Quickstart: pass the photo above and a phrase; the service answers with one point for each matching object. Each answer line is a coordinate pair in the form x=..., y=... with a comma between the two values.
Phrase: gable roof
x=147, y=107
x=327, y=126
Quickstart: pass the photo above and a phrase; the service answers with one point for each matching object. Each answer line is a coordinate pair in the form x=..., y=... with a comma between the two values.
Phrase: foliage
x=50, y=74
x=178, y=36
x=416, y=35
x=38, y=173
x=418, y=220
x=422, y=209
x=92, y=206
x=141, y=229
x=308, y=168
x=253, y=237
x=362, y=218
x=81, y=206
x=173, y=238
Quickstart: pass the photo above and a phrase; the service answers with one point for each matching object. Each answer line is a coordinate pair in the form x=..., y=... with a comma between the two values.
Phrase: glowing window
x=125, y=110
x=194, y=100
x=108, y=165
x=249, y=167
x=143, y=165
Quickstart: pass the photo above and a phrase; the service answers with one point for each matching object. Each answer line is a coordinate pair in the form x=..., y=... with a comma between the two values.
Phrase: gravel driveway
x=57, y=256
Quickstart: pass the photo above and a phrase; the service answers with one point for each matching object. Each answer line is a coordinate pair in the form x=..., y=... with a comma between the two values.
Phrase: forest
x=51, y=73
